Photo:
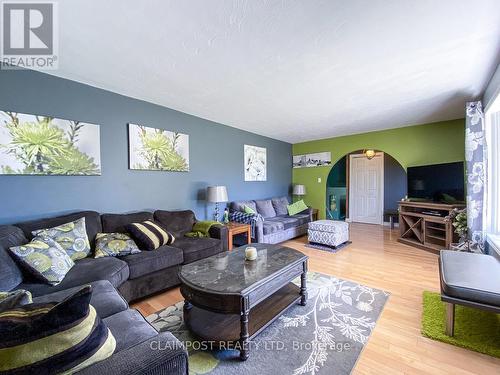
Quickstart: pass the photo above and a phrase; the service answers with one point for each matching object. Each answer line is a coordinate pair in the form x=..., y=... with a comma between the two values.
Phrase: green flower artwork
x=41, y=145
x=158, y=149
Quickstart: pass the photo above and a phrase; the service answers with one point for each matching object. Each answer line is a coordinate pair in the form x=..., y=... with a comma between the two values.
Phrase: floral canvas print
x=158, y=149
x=43, y=145
x=255, y=163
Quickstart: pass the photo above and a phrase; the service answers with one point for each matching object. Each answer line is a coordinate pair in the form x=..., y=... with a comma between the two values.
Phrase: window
x=492, y=128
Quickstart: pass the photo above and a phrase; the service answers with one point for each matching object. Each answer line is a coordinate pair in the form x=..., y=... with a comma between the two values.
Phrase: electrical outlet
x=319, y=180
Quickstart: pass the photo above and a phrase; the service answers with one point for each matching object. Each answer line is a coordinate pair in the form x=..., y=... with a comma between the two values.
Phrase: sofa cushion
x=105, y=298
x=83, y=272
x=280, y=205
x=147, y=262
x=470, y=276
x=15, y=298
x=198, y=248
x=71, y=236
x=287, y=221
x=270, y=227
x=240, y=205
x=176, y=222
x=117, y=222
x=10, y=274
x=265, y=208
x=129, y=329
x=92, y=223
x=45, y=259
x=302, y=219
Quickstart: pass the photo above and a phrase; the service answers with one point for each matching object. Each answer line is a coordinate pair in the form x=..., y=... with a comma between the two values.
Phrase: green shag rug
x=474, y=329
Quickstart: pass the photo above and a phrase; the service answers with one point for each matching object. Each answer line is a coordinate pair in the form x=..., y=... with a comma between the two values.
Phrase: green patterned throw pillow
x=45, y=259
x=71, y=236
x=114, y=244
x=295, y=208
x=248, y=210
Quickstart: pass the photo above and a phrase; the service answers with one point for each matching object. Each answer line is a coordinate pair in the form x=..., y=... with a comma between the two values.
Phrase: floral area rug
x=324, y=337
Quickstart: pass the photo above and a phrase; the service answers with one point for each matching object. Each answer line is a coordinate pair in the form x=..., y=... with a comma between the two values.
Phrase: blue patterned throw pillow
x=45, y=259
x=114, y=244
x=71, y=236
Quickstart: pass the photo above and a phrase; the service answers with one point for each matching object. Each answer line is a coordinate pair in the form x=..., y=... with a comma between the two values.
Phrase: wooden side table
x=237, y=228
x=315, y=212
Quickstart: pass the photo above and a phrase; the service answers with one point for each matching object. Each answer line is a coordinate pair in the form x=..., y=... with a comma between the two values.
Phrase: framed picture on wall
x=255, y=163
x=157, y=149
x=43, y=145
x=318, y=159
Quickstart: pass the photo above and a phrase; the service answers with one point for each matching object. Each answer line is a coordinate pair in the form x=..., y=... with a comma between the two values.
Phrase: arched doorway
x=337, y=187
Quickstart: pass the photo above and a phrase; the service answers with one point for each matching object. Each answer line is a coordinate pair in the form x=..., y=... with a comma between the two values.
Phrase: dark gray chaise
x=276, y=225
x=116, y=281
x=468, y=279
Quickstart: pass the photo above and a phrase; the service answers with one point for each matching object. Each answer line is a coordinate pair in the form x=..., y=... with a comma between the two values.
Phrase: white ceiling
x=290, y=70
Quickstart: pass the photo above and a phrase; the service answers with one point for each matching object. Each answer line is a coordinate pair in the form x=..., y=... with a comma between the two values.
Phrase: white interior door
x=366, y=189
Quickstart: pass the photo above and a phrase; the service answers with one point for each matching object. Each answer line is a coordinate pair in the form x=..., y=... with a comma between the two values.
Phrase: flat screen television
x=443, y=183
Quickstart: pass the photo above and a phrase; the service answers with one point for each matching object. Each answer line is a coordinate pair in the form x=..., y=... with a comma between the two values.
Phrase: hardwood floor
x=396, y=346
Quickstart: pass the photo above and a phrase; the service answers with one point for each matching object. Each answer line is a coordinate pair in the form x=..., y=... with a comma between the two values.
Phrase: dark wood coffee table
x=231, y=300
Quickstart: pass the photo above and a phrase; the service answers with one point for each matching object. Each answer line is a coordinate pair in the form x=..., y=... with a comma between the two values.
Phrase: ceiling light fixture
x=369, y=153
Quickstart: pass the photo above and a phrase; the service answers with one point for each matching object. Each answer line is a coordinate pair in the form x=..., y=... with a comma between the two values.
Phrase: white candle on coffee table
x=250, y=253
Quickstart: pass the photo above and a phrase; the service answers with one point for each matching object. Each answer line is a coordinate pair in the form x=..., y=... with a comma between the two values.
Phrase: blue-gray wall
x=216, y=155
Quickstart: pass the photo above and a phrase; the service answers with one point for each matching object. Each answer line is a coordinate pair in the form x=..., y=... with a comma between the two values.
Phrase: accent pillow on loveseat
x=71, y=236
x=45, y=259
x=297, y=207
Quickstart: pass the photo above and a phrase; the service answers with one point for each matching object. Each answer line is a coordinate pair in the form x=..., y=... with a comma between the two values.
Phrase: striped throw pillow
x=150, y=234
x=53, y=338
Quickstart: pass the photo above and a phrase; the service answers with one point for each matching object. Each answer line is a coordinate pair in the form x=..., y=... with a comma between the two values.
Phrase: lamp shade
x=299, y=190
x=217, y=194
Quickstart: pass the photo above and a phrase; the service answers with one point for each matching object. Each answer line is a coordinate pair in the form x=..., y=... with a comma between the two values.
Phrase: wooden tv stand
x=419, y=227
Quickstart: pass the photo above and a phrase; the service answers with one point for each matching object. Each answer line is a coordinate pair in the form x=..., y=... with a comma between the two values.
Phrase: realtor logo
x=29, y=35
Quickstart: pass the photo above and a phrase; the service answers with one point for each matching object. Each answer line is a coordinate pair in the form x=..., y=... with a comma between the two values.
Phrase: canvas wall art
x=255, y=163
x=41, y=145
x=157, y=149
x=318, y=159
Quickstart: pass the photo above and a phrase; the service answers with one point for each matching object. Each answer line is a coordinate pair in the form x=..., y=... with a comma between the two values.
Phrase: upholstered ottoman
x=328, y=232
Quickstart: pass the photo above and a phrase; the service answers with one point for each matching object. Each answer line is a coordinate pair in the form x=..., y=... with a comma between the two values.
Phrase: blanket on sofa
x=244, y=218
x=201, y=228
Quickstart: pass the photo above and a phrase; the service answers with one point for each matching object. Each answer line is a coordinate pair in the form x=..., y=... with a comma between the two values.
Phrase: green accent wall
x=438, y=142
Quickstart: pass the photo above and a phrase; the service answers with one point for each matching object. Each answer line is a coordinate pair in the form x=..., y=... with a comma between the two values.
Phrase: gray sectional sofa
x=116, y=281
x=274, y=224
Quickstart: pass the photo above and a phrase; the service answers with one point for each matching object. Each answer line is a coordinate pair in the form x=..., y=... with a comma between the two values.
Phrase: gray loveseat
x=274, y=224
x=115, y=281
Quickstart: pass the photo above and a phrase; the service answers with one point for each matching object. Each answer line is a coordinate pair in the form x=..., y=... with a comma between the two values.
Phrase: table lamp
x=217, y=194
x=299, y=190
